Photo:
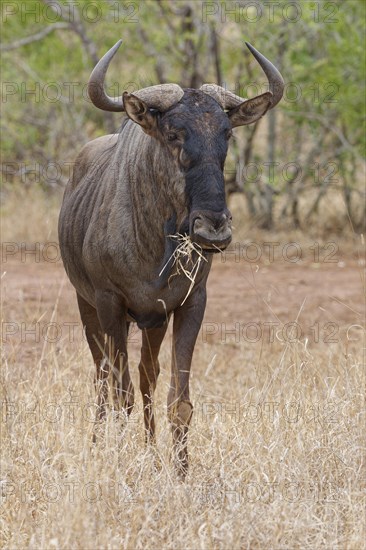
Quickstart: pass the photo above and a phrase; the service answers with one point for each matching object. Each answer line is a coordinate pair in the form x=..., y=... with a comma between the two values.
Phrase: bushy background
x=300, y=165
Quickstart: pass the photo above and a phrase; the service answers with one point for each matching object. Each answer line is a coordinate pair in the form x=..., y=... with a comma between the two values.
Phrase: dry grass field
x=277, y=439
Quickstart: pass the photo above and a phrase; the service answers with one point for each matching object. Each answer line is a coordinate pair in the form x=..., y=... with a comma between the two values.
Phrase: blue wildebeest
x=130, y=195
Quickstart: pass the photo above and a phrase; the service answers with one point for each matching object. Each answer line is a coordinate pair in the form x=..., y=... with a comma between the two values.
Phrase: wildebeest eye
x=172, y=136
x=229, y=133
x=184, y=160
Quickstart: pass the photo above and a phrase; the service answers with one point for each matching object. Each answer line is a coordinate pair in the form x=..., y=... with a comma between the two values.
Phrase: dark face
x=197, y=131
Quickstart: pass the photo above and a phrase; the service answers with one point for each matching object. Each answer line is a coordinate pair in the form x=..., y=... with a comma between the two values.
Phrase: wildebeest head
x=195, y=127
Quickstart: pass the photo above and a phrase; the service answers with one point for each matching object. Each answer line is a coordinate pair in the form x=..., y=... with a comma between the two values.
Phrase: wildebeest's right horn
x=160, y=97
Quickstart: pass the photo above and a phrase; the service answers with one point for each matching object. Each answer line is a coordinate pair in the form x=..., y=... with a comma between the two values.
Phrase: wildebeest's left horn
x=275, y=80
x=160, y=97
x=228, y=100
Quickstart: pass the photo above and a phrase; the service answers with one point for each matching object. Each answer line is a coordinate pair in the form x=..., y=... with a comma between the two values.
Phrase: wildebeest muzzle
x=212, y=231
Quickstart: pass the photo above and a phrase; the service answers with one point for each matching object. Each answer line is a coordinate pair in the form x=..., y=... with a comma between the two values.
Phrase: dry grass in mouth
x=183, y=257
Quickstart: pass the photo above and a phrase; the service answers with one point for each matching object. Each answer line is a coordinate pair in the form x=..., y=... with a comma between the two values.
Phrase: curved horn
x=225, y=98
x=160, y=97
x=228, y=100
x=96, y=84
x=275, y=80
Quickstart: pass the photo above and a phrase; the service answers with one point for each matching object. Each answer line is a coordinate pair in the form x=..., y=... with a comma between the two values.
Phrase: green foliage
x=318, y=46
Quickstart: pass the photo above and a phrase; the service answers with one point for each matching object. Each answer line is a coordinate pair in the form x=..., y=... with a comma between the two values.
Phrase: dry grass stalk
x=184, y=261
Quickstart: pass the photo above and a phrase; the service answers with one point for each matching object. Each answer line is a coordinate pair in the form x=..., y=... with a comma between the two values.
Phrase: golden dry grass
x=275, y=446
x=276, y=442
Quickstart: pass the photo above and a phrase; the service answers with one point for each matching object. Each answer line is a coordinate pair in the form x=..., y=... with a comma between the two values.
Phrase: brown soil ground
x=247, y=301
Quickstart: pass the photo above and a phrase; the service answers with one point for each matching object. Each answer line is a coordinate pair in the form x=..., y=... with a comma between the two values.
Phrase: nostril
x=221, y=221
x=198, y=223
x=214, y=224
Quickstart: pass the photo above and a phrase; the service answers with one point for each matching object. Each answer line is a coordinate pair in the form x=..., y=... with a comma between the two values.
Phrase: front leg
x=187, y=323
x=149, y=371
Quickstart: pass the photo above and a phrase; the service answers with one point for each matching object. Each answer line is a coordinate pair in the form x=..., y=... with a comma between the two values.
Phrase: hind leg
x=95, y=339
x=120, y=380
x=112, y=317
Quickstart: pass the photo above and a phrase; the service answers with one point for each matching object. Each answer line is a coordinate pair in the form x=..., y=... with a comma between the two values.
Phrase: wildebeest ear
x=250, y=110
x=138, y=111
